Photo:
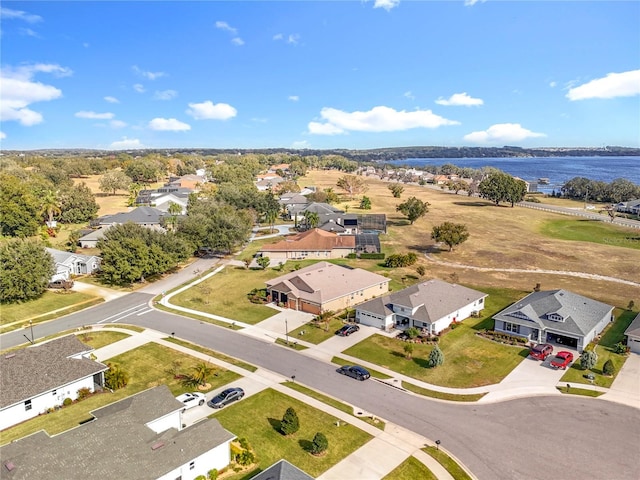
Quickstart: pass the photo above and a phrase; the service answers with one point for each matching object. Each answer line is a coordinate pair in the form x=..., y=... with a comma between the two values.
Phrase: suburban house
x=282, y=470
x=70, y=264
x=162, y=197
x=143, y=216
x=292, y=200
x=633, y=335
x=38, y=378
x=138, y=437
x=297, y=213
x=312, y=244
x=90, y=240
x=632, y=207
x=190, y=181
x=556, y=316
x=323, y=287
x=431, y=306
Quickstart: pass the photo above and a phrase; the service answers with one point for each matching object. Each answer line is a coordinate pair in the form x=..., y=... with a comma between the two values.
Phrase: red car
x=562, y=360
x=541, y=351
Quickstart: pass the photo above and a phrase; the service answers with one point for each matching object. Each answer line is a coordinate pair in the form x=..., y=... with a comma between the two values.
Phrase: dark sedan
x=354, y=371
x=347, y=330
x=226, y=397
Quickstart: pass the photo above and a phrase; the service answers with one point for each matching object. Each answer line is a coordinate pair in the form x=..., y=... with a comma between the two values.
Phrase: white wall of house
x=17, y=413
x=633, y=343
x=372, y=320
x=172, y=420
x=218, y=458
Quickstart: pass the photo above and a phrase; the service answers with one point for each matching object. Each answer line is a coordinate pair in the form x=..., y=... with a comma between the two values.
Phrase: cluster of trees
x=619, y=190
x=290, y=424
x=26, y=269
x=502, y=187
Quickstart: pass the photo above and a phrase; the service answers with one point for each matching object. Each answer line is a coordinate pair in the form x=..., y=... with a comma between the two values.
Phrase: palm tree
x=201, y=372
x=50, y=206
x=134, y=190
x=174, y=210
x=311, y=219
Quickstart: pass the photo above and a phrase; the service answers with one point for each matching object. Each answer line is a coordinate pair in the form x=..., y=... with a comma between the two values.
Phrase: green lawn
x=147, y=367
x=257, y=418
x=316, y=333
x=456, y=471
x=292, y=343
x=470, y=361
x=613, y=334
x=442, y=395
x=212, y=353
x=97, y=339
x=591, y=231
x=580, y=391
x=43, y=308
x=333, y=402
x=410, y=469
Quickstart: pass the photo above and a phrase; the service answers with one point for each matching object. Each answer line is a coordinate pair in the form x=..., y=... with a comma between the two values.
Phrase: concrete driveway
x=626, y=386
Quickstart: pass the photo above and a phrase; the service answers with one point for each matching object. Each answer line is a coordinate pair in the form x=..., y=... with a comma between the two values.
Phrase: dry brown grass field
x=500, y=237
x=109, y=204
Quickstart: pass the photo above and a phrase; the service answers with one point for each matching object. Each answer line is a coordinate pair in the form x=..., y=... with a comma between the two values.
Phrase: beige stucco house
x=312, y=244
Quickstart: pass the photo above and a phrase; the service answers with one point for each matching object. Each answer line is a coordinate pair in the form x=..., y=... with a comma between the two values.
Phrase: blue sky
x=331, y=74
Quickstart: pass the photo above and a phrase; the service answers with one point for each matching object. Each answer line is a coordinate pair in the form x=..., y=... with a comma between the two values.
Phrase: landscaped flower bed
x=502, y=337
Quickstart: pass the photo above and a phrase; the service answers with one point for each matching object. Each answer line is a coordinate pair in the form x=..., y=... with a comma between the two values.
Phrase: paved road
x=506, y=440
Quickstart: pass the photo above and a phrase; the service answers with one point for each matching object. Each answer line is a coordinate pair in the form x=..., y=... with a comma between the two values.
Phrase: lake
x=557, y=169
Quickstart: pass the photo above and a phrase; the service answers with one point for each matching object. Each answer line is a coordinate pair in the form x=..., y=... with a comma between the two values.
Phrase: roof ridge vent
x=157, y=445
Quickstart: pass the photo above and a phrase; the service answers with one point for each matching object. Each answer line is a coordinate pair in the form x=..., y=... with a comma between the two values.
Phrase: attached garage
x=633, y=335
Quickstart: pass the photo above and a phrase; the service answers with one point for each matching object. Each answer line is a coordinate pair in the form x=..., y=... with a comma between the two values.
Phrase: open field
x=592, y=231
x=410, y=469
x=500, y=237
x=147, y=367
x=257, y=418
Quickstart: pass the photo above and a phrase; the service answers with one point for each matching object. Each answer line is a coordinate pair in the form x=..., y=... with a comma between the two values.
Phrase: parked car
x=347, y=330
x=562, y=360
x=65, y=284
x=354, y=371
x=226, y=397
x=191, y=400
x=541, y=351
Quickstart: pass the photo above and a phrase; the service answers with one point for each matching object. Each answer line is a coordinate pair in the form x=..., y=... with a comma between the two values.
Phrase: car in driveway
x=354, y=371
x=541, y=351
x=226, y=397
x=347, y=330
x=562, y=360
x=191, y=400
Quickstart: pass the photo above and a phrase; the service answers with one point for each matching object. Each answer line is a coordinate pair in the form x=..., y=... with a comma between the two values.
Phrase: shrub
x=372, y=256
x=83, y=393
x=244, y=443
x=245, y=458
x=620, y=348
x=290, y=423
x=421, y=270
x=115, y=378
x=352, y=256
x=412, y=332
x=396, y=260
x=319, y=444
x=436, y=357
x=200, y=477
x=212, y=474
x=588, y=359
x=67, y=401
x=608, y=368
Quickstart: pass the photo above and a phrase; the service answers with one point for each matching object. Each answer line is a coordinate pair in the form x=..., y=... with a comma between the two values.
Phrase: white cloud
x=168, y=124
x=94, y=115
x=294, y=98
x=300, y=144
x=208, y=110
x=165, y=95
x=138, y=87
x=226, y=27
x=237, y=41
x=460, y=99
x=126, y=143
x=146, y=74
x=386, y=4
x=378, y=119
x=409, y=95
x=278, y=36
x=28, y=32
x=19, y=15
x=625, y=84
x=117, y=124
x=111, y=99
x=553, y=84
x=502, y=133
x=293, y=39
x=18, y=91
x=471, y=3
x=3, y=135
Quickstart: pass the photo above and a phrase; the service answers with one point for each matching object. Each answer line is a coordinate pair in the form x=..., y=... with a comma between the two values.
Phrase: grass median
x=410, y=469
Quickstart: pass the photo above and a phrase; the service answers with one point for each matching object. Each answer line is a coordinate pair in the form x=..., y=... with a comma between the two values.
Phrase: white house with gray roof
x=140, y=437
x=70, y=264
x=37, y=378
x=555, y=316
x=633, y=335
x=432, y=305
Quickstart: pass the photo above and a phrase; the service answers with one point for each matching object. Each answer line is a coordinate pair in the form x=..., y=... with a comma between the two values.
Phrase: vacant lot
x=592, y=231
x=257, y=419
x=502, y=237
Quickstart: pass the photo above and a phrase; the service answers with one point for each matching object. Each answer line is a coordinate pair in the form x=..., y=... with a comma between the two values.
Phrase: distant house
x=162, y=197
x=432, y=305
x=632, y=207
x=282, y=470
x=189, y=181
x=90, y=240
x=633, y=335
x=297, y=212
x=531, y=185
x=555, y=316
x=312, y=244
x=268, y=181
x=35, y=379
x=140, y=437
x=293, y=201
x=70, y=264
x=325, y=287
x=143, y=216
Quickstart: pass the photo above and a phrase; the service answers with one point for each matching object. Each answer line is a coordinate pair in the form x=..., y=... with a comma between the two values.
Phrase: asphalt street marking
x=122, y=314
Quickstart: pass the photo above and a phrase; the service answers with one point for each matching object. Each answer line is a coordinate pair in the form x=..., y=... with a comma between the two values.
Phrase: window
x=511, y=327
x=54, y=392
x=27, y=405
x=192, y=465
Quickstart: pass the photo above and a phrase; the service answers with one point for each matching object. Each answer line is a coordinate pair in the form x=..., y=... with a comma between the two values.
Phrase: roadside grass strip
x=410, y=469
x=580, y=391
x=212, y=353
x=450, y=465
x=257, y=418
x=454, y=397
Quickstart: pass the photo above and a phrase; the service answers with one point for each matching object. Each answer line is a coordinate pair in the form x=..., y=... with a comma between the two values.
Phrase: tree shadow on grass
x=474, y=203
x=306, y=445
x=485, y=324
x=275, y=424
x=421, y=362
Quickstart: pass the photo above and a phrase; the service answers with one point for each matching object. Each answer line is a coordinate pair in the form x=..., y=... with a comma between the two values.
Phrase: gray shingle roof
x=580, y=314
x=282, y=470
x=634, y=329
x=115, y=445
x=145, y=215
x=31, y=371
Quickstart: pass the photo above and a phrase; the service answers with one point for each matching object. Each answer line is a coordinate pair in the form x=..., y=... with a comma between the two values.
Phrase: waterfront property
x=312, y=244
x=36, y=379
x=139, y=437
x=432, y=306
x=324, y=286
x=555, y=316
